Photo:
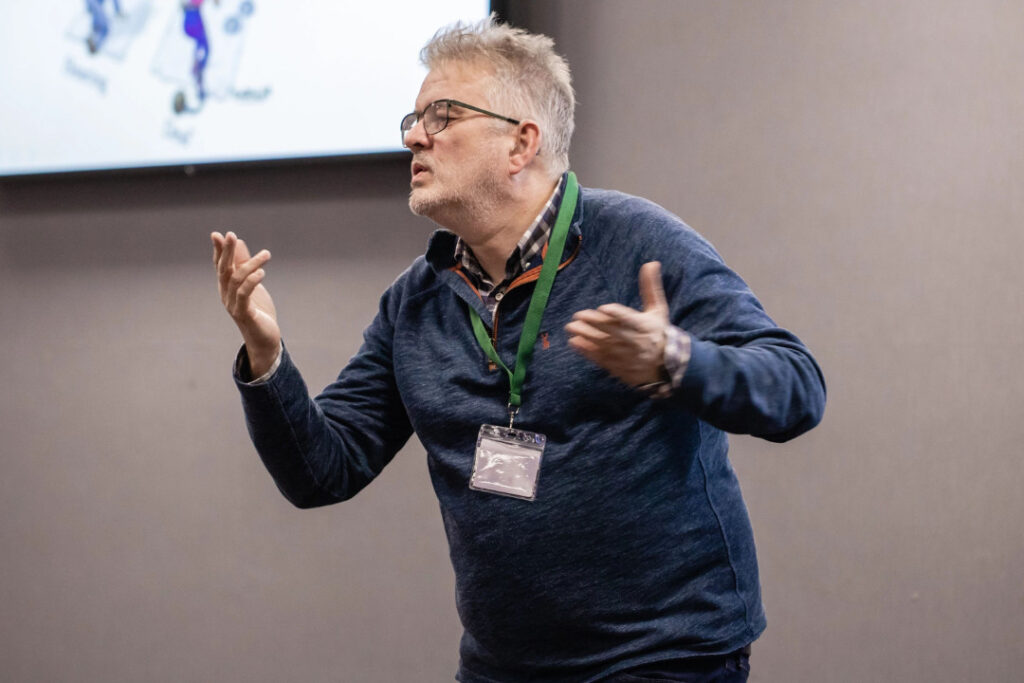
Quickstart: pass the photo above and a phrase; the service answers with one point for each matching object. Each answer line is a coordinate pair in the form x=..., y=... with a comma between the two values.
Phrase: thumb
x=651, y=291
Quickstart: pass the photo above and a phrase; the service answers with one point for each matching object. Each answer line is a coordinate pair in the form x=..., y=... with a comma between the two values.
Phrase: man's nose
x=416, y=136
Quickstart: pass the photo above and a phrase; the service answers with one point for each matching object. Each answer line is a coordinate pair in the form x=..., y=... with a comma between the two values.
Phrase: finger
x=225, y=267
x=247, y=268
x=599, y=346
x=613, y=359
x=248, y=285
x=593, y=317
x=579, y=328
x=651, y=290
x=218, y=244
x=609, y=337
x=586, y=348
x=613, y=319
x=241, y=252
x=227, y=258
x=614, y=331
x=618, y=312
x=622, y=320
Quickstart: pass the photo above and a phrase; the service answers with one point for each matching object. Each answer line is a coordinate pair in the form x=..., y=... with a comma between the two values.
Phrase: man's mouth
x=418, y=169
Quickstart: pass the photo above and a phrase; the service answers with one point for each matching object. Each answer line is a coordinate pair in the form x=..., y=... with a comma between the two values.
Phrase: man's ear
x=525, y=146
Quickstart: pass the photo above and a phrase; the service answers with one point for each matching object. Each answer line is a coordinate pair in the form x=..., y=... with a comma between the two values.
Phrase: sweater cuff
x=243, y=373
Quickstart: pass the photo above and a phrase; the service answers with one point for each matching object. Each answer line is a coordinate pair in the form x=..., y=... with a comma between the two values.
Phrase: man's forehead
x=455, y=80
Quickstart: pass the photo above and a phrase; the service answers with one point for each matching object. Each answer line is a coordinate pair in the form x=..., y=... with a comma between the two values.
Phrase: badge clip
x=512, y=412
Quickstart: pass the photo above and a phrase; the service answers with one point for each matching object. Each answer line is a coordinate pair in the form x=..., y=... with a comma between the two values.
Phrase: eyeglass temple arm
x=483, y=111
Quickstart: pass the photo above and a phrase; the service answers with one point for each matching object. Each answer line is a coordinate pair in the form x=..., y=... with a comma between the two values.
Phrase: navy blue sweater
x=638, y=547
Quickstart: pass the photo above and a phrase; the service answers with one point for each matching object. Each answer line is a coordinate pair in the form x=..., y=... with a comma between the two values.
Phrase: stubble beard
x=448, y=206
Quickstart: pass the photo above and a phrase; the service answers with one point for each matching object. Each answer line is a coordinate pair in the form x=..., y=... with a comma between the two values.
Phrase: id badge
x=507, y=461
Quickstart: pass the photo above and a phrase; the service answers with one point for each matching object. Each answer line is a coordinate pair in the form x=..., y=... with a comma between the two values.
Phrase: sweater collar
x=440, y=254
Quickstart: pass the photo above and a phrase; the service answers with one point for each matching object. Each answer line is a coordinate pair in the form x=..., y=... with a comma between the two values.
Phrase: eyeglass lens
x=435, y=118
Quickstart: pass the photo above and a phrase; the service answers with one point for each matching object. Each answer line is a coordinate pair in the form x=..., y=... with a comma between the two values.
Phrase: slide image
x=200, y=51
x=108, y=28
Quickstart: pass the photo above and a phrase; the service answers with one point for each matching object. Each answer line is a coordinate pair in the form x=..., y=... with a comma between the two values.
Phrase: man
x=576, y=445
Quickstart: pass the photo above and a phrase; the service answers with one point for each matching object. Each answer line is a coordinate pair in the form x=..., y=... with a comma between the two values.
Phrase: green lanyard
x=538, y=302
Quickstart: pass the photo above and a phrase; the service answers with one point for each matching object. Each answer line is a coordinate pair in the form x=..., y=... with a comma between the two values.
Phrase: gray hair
x=531, y=80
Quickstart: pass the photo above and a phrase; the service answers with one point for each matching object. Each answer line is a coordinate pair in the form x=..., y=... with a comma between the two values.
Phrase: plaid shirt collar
x=531, y=244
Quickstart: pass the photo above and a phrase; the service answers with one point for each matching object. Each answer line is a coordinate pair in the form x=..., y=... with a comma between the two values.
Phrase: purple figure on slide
x=217, y=85
x=196, y=30
x=100, y=22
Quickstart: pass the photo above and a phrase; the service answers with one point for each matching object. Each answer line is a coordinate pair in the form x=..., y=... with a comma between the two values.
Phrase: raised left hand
x=628, y=343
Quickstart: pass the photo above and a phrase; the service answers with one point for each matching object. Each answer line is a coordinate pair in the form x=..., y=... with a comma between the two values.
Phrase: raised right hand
x=247, y=301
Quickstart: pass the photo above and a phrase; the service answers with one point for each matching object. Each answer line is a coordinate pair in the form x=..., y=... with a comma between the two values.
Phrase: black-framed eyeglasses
x=435, y=116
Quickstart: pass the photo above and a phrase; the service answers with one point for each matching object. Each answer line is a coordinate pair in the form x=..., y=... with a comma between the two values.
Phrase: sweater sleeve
x=745, y=374
x=326, y=449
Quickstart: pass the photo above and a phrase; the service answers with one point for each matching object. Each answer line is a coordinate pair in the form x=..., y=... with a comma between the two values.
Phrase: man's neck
x=494, y=233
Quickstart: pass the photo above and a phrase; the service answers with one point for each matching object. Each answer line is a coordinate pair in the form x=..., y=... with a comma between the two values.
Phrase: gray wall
x=860, y=163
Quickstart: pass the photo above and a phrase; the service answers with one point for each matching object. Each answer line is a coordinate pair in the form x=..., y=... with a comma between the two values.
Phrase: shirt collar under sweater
x=531, y=244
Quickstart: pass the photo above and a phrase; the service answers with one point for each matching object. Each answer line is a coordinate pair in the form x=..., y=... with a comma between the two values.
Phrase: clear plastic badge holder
x=507, y=461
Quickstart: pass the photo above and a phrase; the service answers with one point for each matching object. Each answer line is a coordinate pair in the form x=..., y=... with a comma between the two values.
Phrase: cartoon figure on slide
x=195, y=30
x=188, y=63
x=100, y=22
